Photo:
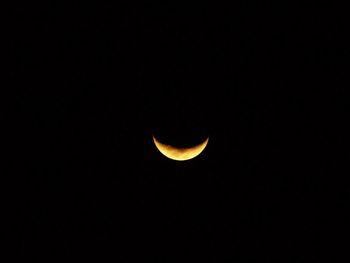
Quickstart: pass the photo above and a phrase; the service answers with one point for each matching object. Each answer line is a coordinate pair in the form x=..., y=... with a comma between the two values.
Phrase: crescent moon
x=180, y=154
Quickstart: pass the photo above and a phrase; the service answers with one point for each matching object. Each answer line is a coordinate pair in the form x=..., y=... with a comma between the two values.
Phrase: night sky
x=91, y=83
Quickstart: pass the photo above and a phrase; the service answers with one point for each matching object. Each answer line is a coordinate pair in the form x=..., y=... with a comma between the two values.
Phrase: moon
x=180, y=154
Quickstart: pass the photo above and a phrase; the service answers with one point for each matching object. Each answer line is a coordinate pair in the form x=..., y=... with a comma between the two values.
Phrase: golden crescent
x=180, y=154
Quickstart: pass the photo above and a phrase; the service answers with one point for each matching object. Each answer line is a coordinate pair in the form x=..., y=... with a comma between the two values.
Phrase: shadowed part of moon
x=180, y=154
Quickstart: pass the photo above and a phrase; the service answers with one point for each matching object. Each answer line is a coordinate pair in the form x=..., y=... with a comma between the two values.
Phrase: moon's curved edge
x=180, y=154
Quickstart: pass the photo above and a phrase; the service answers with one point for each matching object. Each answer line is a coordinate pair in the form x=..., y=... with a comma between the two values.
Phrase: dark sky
x=91, y=83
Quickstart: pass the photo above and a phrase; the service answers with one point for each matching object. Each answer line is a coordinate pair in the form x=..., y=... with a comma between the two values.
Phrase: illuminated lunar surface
x=180, y=154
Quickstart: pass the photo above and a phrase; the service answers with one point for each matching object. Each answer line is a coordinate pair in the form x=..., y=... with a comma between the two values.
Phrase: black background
x=90, y=84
